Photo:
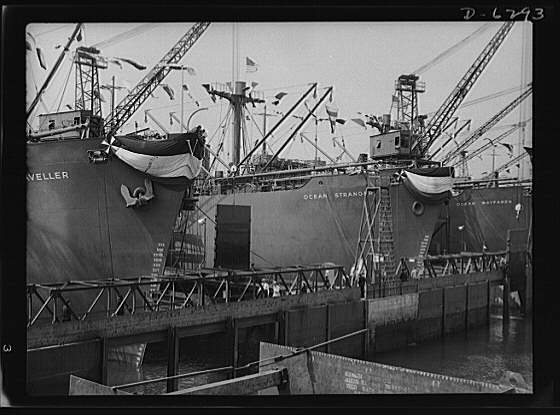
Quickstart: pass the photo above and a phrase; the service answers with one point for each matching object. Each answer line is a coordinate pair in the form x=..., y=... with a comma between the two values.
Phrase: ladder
x=375, y=248
x=187, y=248
x=385, y=244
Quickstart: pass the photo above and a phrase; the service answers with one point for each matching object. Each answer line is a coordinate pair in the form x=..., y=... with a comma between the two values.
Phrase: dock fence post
x=233, y=340
x=172, y=358
x=103, y=346
x=366, y=326
x=467, y=306
x=505, y=297
x=328, y=316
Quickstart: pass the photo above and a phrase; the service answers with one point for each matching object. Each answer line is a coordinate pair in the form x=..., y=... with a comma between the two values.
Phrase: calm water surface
x=482, y=354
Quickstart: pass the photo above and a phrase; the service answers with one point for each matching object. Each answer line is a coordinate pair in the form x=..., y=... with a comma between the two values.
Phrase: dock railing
x=406, y=278
x=80, y=300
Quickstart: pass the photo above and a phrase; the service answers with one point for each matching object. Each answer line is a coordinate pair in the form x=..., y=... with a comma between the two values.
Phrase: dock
x=313, y=306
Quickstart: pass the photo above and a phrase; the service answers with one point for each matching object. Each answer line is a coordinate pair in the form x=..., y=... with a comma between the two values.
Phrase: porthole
x=417, y=208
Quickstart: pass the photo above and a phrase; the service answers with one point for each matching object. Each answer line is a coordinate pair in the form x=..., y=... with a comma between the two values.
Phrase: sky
x=361, y=60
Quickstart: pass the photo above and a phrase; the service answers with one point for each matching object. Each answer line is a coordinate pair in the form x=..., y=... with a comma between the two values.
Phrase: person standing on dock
x=362, y=283
x=275, y=289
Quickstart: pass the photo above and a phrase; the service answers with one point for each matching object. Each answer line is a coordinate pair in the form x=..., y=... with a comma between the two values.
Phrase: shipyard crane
x=486, y=146
x=141, y=92
x=485, y=127
x=53, y=71
x=442, y=116
x=506, y=165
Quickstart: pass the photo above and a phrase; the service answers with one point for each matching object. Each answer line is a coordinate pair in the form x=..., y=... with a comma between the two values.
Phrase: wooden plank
x=79, y=386
x=245, y=322
x=150, y=337
x=201, y=330
x=244, y=385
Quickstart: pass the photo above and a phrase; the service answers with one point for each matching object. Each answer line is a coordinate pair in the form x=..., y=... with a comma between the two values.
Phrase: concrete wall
x=310, y=326
x=478, y=311
x=393, y=319
x=430, y=315
x=320, y=373
x=442, y=306
x=346, y=318
x=455, y=307
x=306, y=326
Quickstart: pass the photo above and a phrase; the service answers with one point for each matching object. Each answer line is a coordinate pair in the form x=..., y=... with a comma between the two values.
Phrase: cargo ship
x=276, y=215
x=314, y=214
x=102, y=205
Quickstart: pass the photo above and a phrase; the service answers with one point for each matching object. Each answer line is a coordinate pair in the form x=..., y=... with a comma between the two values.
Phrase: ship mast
x=237, y=99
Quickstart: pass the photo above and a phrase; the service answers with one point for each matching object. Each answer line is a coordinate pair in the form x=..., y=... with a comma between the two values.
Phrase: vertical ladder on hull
x=385, y=245
x=375, y=249
x=186, y=249
x=365, y=251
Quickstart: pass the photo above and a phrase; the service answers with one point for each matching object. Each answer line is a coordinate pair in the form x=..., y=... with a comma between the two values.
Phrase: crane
x=438, y=122
x=486, y=126
x=507, y=165
x=486, y=146
x=138, y=95
x=73, y=36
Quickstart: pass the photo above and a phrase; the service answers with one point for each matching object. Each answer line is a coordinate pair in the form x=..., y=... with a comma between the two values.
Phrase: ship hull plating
x=317, y=222
x=481, y=217
x=78, y=225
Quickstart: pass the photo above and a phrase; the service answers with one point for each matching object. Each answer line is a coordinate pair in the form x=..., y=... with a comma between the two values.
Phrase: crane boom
x=54, y=69
x=486, y=126
x=138, y=95
x=436, y=124
x=495, y=140
x=507, y=165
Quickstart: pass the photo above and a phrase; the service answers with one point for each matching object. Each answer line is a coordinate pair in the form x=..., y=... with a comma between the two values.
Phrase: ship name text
x=339, y=195
x=486, y=202
x=54, y=175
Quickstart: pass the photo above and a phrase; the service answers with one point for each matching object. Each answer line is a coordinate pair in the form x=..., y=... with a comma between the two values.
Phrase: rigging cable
x=65, y=85
x=449, y=51
x=127, y=35
x=52, y=30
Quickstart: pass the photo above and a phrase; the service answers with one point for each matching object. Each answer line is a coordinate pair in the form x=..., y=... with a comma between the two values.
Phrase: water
x=482, y=354
x=196, y=354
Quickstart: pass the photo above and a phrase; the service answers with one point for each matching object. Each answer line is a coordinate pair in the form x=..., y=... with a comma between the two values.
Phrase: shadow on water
x=488, y=354
x=196, y=354
x=485, y=354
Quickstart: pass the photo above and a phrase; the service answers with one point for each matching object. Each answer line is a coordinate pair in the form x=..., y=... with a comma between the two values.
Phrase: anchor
x=140, y=196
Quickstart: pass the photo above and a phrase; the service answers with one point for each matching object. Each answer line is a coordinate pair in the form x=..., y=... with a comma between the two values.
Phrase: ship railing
x=435, y=266
x=406, y=280
x=106, y=299
x=485, y=183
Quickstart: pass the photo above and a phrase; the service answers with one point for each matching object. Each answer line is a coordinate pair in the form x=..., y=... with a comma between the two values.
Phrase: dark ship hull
x=479, y=218
x=315, y=222
x=78, y=224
